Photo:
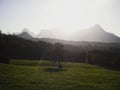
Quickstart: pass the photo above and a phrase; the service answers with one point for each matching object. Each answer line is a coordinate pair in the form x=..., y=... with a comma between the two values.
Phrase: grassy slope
x=28, y=75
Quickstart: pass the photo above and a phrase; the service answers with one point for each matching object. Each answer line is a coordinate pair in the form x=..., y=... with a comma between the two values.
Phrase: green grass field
x=43, y=75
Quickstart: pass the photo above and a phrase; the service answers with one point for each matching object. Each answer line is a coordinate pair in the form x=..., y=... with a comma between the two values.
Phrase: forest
x=102, y=54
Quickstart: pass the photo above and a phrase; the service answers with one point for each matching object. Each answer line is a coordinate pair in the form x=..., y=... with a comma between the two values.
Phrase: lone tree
x=58, y=54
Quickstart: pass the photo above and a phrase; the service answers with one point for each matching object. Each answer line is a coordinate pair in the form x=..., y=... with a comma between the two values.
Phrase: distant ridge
x=93, y=34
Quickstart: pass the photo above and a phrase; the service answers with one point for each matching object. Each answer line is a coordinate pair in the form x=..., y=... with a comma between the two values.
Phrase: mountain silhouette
x=95, y=34
x=29, y=32
x=92, y=34
x=25, y=35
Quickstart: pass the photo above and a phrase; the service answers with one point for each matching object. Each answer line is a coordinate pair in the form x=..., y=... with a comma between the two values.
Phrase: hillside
x=43, y=75
x=96, y=53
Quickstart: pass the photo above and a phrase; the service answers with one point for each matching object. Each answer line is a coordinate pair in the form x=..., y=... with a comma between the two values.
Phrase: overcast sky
x=65, y=15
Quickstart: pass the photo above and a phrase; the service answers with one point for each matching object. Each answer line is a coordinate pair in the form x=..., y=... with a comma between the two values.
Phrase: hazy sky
x=65, y=15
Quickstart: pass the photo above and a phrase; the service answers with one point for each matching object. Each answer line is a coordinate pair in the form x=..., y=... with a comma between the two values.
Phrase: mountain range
x=93, y=34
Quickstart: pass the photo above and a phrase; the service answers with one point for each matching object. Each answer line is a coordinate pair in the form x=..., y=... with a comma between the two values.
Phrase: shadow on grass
x=53, y=69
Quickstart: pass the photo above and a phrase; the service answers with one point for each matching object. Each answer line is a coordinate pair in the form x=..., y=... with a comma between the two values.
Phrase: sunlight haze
x=66, y=15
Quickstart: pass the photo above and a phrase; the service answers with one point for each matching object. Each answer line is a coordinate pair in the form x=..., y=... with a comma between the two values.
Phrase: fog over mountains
x=93, y=34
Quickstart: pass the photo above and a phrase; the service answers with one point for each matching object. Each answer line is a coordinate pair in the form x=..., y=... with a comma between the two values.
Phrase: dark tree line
x=110, y=59
x=13, y=47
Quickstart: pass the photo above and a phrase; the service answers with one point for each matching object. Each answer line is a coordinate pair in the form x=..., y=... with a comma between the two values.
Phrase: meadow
x=44, y=75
